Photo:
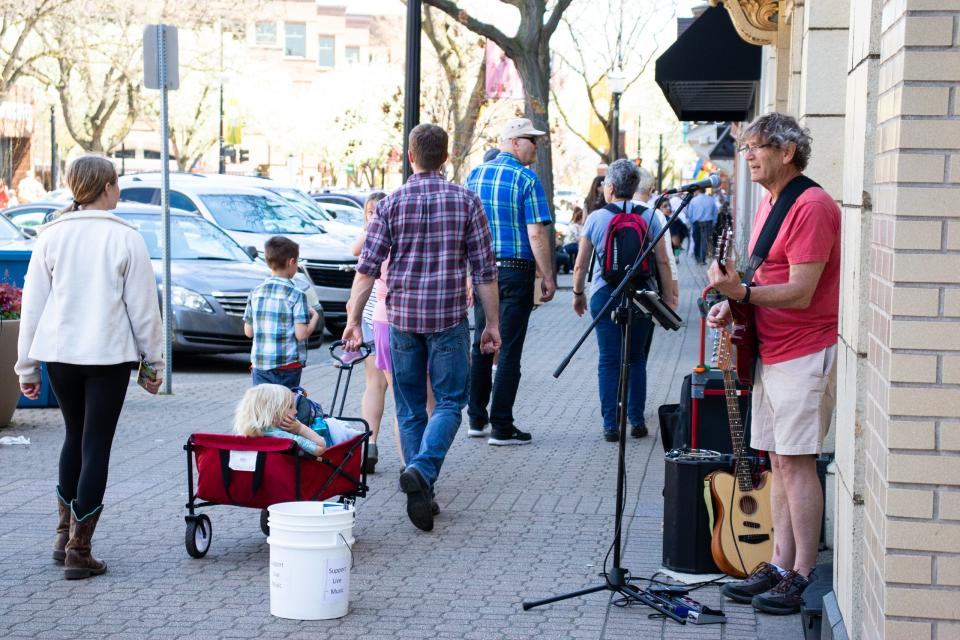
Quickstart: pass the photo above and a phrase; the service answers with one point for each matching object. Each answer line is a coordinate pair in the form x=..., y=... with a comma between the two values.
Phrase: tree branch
x=508, y=44
x=566, y=122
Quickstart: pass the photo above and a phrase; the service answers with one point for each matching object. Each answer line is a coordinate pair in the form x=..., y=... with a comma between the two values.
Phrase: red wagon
x=258, y=472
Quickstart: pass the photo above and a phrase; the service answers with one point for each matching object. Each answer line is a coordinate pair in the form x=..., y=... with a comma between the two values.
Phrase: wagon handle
x=365, y=351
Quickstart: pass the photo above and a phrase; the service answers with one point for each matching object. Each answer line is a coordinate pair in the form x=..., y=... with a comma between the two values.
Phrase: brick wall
x=911, y=560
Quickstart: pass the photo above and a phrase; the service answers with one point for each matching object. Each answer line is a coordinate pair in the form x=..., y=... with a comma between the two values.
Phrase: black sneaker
x=761, y=579
x=639, y=431
x=611, y=435
x=418, y=499
x=434, y=507
x=477, y=430
x=783, y=599
x=515, y=436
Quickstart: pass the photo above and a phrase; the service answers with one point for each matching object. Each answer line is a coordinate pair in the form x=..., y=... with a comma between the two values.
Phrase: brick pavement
x=517, y=523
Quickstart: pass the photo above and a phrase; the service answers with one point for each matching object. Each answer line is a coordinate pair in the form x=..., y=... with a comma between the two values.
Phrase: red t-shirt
x=810, y=233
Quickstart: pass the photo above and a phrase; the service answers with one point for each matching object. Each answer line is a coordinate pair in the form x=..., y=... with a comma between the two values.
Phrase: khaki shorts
x=793, y=402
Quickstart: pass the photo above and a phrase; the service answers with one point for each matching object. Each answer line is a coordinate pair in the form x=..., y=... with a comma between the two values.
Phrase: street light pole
x=411, y=89
x=617, y=82
x=53, y=148
x=222, y=166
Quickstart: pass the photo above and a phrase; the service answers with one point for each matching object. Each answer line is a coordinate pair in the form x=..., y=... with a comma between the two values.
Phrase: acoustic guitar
x=744, y=329
x=743, y=526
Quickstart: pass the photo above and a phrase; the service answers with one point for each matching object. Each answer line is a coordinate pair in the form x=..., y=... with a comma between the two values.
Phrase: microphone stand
x=618, y=579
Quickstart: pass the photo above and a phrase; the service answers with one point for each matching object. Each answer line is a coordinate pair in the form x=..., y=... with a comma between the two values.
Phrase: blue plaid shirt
x=512, y=197
x=272, y=309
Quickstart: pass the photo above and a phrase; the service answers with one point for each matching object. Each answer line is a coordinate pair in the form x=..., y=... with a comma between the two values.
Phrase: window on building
x=352, y=55
x=295, y=39
x=266, y=33
x=325, y=55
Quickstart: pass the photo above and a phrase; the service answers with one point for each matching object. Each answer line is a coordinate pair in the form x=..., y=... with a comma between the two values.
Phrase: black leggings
x=90, y=397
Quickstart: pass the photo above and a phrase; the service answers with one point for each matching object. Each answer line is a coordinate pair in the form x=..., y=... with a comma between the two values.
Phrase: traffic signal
x=230, y=152
x=244, y=155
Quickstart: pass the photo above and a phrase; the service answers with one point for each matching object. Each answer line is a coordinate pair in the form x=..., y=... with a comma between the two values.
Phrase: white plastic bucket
x=310, y=559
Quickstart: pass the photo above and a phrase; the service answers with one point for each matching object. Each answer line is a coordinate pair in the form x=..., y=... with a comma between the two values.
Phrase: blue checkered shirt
x=272, y=309
x=512, y=197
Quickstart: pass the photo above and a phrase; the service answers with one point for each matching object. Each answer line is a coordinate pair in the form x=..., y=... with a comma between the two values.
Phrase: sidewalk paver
x=518, y=523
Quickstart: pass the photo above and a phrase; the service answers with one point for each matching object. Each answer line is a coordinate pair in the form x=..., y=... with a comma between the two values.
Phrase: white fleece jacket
x=89, y=297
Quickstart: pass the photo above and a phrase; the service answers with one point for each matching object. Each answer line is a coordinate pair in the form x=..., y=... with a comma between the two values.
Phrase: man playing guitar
x=795, y=296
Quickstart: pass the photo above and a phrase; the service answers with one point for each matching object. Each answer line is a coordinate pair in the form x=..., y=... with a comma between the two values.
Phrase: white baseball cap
x=518, y=128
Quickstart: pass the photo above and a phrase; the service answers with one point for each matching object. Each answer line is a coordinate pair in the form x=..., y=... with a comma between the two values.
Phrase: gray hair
x=779, y=129
x=624, y=177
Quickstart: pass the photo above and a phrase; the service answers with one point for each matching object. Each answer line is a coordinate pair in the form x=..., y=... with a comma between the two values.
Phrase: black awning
x=710, y=73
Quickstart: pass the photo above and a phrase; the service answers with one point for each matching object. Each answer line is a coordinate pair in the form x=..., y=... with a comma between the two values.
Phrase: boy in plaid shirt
x=279, y=319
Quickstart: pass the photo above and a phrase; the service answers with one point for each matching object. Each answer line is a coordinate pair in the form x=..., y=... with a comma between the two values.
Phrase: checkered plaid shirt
x=272, y=309
x=430, y=229
x=513, y=197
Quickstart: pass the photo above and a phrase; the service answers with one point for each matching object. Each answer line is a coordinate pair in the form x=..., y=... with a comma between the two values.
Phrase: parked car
x=345, y=232
x=251, y=216
x=341, y=196
x=31, y=215
x=211, y=279
x=12, y=237
x=344, y=214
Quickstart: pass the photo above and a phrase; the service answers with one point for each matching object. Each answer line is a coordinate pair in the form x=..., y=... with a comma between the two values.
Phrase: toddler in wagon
x=270, y=410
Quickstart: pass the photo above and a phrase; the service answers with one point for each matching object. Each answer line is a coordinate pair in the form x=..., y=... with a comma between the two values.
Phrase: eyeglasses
x=529, y=139
x=746, y=148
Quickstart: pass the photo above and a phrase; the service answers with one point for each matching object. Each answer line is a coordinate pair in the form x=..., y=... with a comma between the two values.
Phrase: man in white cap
x=516, y=206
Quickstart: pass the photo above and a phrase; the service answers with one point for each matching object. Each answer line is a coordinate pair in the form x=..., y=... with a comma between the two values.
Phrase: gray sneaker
x=785, y=598
x=761, y=579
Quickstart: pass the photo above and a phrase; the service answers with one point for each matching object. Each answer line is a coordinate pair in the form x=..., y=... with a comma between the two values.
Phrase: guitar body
x=745, y=340
x=743, y=526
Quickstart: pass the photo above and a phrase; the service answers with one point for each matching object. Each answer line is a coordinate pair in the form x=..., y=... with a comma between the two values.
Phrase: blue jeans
x=287, y=377
x=516, y=303
x=446, y=356
x=608, y=365
x=703, y=231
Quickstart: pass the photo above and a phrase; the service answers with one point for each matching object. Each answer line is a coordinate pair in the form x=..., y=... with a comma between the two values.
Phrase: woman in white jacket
x=90, y=312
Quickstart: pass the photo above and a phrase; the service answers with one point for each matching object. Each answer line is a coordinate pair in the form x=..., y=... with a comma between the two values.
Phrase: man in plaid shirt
x=516, y=205
x=279, y=319
x=431, y=230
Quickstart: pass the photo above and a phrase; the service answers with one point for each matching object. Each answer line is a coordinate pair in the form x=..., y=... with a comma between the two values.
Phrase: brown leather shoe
x=63, y=528
x=80, y=563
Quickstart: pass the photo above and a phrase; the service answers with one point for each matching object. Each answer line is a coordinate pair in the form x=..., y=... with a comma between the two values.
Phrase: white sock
x=779, y=569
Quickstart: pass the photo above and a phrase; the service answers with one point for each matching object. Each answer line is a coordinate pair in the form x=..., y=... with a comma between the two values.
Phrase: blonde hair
x=260, y=408
x=87, y=177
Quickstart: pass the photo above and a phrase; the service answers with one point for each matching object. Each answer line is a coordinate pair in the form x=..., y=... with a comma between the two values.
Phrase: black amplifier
x=686, y=521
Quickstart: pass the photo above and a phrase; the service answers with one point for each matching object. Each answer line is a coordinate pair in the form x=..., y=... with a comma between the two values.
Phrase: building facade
x=878, y=84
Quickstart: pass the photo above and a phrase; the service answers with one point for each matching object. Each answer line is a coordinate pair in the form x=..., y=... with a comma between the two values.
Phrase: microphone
x=710, y=182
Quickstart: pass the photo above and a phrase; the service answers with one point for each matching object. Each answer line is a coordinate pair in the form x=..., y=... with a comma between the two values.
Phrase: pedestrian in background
x=619, y=186
x=572, y=238
x=4, y=195
x=594, y=199
x=431, y=230
x=519, y=219
x=89, y=311
x=279, y=319
x=702, y=213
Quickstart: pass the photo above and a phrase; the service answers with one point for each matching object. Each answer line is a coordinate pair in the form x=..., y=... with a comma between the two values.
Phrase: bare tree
x=19, y=49
x=530, y=51
x=626, y=40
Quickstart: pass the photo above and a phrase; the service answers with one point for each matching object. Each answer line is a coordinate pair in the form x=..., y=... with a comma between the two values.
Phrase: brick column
x=911, y=564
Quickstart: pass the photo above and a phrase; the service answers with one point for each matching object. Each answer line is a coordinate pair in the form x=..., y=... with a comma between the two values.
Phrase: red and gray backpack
x=627, y=237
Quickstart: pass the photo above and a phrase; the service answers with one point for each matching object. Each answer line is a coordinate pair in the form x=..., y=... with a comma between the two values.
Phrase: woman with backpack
x=604, y=228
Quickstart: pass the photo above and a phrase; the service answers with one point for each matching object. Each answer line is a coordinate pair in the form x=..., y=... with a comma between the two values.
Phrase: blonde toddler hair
x=261, y=408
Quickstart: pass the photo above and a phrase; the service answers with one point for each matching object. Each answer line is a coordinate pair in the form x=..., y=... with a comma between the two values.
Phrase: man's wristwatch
x=746, y=296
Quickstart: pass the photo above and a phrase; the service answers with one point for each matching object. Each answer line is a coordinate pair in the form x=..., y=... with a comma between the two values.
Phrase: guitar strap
x=771, y=227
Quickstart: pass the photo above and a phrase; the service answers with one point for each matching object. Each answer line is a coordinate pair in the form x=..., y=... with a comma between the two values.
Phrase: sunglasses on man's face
x=529, y=139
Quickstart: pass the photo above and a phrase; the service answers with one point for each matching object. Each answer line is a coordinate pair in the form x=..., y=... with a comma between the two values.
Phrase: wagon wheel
x=198, y=536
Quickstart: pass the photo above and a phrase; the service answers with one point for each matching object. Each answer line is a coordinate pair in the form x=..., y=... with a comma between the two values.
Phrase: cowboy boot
x=79, y=563
x=63, y=528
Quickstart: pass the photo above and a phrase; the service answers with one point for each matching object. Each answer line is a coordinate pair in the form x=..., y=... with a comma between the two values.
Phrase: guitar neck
x=742, y=471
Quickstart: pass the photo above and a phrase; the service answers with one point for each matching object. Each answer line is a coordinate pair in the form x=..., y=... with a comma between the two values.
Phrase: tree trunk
x=535, y=75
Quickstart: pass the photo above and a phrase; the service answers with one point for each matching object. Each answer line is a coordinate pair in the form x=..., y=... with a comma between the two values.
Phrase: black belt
x=517, y=263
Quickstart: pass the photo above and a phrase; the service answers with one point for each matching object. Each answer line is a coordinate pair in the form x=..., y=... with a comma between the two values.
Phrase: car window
x=191, y=238
x=257, y=214
x=145, y=195
x=8, y=230
x=350, y=215
x=341, y=200
x=28, y=217
x=180, y=201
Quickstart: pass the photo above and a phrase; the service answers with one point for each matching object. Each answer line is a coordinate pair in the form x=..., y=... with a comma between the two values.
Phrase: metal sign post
x=161, y=71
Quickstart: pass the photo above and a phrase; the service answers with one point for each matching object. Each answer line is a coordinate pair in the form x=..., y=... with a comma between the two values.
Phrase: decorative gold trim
x=756, y=21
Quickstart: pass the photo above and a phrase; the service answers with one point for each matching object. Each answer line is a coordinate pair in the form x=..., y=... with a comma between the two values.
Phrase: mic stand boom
x=618, y=579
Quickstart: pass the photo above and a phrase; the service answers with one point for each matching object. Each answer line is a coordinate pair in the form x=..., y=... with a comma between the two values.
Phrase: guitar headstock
x=724, y=248
x=725, y=351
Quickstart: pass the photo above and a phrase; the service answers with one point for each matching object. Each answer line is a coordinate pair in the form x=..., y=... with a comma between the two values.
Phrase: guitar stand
x=617, y=579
